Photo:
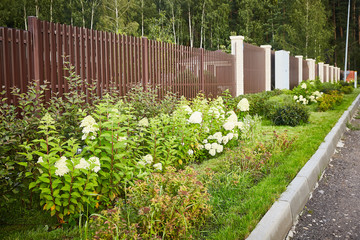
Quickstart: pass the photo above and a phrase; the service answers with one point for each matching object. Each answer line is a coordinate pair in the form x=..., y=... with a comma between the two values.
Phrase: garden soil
x=333, y=212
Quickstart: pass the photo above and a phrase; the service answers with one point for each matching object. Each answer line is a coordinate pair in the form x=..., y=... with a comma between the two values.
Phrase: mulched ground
x=333, y=212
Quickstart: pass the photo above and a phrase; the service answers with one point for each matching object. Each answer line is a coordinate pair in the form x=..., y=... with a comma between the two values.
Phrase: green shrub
x=327, y=87
x=328, y=101
x=347, y=89
x=257, y=101
x=168, y=205
x=290, y=113
x=273, y=102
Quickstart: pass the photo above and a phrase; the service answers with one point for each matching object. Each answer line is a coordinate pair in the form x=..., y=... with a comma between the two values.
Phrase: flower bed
x=131, y=166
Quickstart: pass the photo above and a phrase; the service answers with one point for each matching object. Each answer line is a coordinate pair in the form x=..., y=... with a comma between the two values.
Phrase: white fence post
x=282, y=73
x=237, y=49
x=311, y=64
x=300, y=66
x=267, y=49
x=327, y=72
x=321, y=71
x=331, y=78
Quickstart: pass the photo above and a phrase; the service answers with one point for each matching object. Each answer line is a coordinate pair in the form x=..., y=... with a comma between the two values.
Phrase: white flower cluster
x=143, y=122
x=232, y=122
x=96, y=162
x=187, y=109
x=301, y=99
x=61, y=167
x=214, y=148
x=303, y=85
x=196, y=117
x=89, y=126
x=147, y=160
x=243, y=105
x=313, y=98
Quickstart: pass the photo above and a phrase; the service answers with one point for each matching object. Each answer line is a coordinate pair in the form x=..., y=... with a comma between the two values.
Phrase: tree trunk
x=83, y=13
x=190, y=28
x=142, y=18
x=173, y=20
x=36, y=8
x=202, y=24
x=25, y=17
x=51, y=10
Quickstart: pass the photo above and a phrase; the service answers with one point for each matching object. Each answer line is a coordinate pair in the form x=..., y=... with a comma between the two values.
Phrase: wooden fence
x=114, y=61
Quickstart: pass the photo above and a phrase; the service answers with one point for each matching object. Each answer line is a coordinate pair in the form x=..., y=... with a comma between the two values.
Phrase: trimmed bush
x=290, y=113
x=328, y=101
x=347, y=89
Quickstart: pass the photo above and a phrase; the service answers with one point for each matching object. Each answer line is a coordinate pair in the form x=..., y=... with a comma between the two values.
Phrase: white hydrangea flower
x=214, y=111
x=158, y=166
x=190, y=152
x=201, y=147
x=206, y=129
x=89, y=126
x=83, y=164
x=61, y=167
x=143, y=122
x=148, y=159
x=208, y=146
x=230, y=136
x=232, y=117
x=214, y=145
x=296, y=97
x=236, y=136
x=243, y=105
x=212, y=152
x=301, y=97
x=205, y=141
x=142, y=163
x=187, y=109
x=219, y=148
x=225, y=139
x=303, y=86
x=229, y=126
x=196, y=117
x=217, y=135
x=40, y=160
x=96, y=162
x=240, y=125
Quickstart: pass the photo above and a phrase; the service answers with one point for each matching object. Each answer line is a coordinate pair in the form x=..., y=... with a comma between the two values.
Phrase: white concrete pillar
x=311, y=64
x=267, y=66
x=300, y=67
x=326, y=72
x=282, y=73
x=321, y=71
x=355, y=83
x=331, y=78
x=237, y=49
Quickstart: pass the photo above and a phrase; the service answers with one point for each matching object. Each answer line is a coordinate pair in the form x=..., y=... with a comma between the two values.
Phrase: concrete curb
x=277, y=222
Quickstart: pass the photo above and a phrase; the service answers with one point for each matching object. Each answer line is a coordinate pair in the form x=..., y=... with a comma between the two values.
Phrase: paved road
x=333, y=212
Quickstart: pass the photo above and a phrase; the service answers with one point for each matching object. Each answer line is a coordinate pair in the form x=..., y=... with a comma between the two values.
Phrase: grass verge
x=239, y=207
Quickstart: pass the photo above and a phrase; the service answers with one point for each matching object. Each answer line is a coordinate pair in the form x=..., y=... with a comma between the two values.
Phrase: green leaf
x=32, y=184
x=44, y=179
x=25, y=164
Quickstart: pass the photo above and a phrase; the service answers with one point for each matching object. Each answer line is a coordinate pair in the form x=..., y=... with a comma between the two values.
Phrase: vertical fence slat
x=47, y=76
x=53, y=81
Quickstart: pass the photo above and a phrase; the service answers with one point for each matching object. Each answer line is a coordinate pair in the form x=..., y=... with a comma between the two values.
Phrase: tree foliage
x=312, y=28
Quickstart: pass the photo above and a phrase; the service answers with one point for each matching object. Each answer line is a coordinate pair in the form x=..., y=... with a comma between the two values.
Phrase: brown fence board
x=305, y=71
x=254, y=69
x=294, y=72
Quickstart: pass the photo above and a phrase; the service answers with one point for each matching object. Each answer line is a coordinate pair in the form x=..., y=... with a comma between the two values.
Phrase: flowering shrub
x=306, y=93
x=65, y=180
x=165, y=205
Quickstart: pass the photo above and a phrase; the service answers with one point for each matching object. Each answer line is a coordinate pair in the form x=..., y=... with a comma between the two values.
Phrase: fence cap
x=299, y=56
x=236, y=37
x=266, y=46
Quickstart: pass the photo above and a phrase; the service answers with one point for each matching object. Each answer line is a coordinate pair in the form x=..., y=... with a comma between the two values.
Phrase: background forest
x=312, y=28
